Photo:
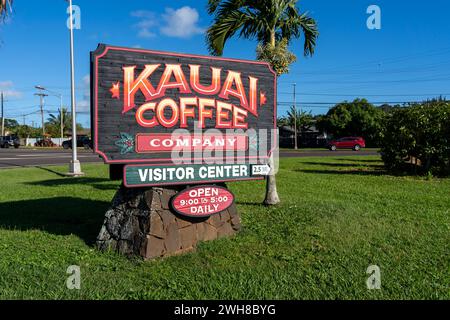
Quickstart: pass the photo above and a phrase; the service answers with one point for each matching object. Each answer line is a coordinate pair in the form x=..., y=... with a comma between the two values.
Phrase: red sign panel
x=167, y=142
x=202, y=201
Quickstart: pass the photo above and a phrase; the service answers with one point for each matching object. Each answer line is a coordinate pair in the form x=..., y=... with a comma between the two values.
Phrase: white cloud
x=147, y=20
x=181, y=23
x=178, y=23
x=87, y=80
x=4, y=84
x=7, y=87
x=145, y=24
x=142, y=14
x=146, y=34
x=85, y=104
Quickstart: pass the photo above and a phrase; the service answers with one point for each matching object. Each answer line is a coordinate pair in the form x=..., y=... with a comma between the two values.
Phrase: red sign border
x=175, y=183
x=199, y=186
x=94, y=97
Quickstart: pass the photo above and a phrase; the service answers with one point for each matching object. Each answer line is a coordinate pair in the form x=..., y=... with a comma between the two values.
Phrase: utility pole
x=295, y=120
x=56, y=94
x=3, y=117
x=41, y=96
x=300, y=120
x=62, y=122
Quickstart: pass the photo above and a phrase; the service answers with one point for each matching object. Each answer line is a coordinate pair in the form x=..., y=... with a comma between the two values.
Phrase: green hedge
x=417, y=138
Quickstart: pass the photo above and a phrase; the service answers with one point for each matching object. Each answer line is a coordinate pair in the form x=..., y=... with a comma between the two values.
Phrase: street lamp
x=59, y=95
x=74, y=166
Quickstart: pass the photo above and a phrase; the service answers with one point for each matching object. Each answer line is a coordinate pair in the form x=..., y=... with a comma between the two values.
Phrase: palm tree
x=55, y=120
x=5, y=8
x=269, y=21
x=273, y=23
x=304, y=119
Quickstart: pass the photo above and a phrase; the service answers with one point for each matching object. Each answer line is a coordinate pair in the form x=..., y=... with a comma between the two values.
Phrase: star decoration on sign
x=262, y=98
x=125, y=143
x=115, y=90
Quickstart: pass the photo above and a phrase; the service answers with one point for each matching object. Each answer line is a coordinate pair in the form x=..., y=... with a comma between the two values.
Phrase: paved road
x=10, y=158
x=38, y=157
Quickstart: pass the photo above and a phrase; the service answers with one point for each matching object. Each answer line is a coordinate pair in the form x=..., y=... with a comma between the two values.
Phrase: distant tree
x=303, y=119
x=52, y=130
x=356, y=118
x=11, y=123
x=24, y=131
x=282, y=121
x=54, y=120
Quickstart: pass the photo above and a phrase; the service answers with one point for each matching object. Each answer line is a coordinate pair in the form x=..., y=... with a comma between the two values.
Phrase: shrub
x=418, y=138
x=356, y=118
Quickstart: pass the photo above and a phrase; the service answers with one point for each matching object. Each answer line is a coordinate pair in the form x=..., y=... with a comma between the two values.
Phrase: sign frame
x=103, y=49
x=203, y=182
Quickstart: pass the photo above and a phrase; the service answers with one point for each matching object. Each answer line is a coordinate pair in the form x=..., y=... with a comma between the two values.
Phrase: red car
x=355, y=143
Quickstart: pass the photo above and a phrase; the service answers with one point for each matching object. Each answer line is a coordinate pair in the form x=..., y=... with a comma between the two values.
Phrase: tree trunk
x=272, y=38
x=271, y=186
x=271, y=197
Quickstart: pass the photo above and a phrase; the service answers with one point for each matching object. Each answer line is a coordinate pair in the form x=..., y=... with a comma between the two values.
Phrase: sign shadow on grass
x=360, y=160
x=369, y=172
x=97, y=183
x=59, y=216
x=355, y=168
x=338, y=164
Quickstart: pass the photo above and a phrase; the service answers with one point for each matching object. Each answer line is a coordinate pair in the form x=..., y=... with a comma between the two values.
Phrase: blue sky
x=408, y=59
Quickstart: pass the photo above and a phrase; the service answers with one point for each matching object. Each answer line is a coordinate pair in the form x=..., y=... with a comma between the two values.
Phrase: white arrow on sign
x=260, y=170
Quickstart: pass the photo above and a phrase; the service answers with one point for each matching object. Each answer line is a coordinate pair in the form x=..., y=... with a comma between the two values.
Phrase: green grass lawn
x=337, y=217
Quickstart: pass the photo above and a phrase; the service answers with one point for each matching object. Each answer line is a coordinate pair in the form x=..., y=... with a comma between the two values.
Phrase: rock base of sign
x=140, y=222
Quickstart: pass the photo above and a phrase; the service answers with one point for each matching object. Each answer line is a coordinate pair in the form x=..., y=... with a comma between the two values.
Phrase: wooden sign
x=148, y=105
x=202, y=201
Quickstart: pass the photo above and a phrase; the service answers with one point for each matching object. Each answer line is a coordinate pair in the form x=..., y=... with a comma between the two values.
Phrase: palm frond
x=310, y=32
x=5, y=7
x=223, y=28
x=212, y=6
x=265, y=20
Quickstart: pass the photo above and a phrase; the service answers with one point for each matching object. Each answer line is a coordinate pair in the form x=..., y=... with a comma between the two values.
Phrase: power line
x=366, y=95
x=378, y=81
x=388, y=60
x=329, y=103
x=17, y=115
x=369, y=70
